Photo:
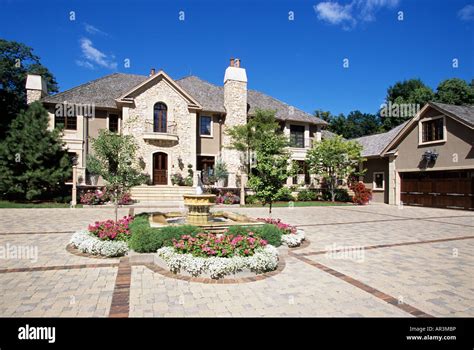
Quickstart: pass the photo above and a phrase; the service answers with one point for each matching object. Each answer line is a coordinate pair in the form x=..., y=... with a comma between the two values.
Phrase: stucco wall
x=209, y=145
x=457, y=151
x=376, y=165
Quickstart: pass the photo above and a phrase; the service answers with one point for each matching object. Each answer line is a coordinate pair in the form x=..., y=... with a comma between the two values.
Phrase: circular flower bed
x=106, y=238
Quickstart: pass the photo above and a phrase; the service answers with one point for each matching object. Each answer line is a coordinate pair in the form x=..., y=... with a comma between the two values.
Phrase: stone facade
x=138, y=120
x=33, y=95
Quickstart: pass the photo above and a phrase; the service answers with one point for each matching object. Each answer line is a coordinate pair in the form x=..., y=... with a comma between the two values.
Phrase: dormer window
x=432, y=130
x=159, y=117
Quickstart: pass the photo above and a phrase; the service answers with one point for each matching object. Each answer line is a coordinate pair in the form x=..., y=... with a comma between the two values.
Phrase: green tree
x=16, y=62
x=114, y=158
x=356, y=124
x=272, y=169
x=455, y=91
x=407, y=92
x=33, y=161
x=334, y=159
x=246, y=138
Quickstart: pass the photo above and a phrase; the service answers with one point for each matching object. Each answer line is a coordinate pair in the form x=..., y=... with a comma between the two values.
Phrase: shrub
x=96, y=197
x=251, y=199
x=362, y=195
x=177, y=179
x=270, y=233
x=111, y=230
x=284, y=194
x=306, y=195
x=146, y=239
x=227, y=198
x=341, y=195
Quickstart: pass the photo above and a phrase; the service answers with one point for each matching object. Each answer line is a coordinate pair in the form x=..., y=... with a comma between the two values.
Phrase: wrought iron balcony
x=164, y=133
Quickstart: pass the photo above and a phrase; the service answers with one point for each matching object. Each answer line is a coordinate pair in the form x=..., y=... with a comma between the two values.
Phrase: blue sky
x=298, y=61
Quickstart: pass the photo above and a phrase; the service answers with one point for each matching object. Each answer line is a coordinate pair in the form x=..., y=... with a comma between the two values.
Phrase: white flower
x=90, y=244
x=264, y=259
x=293, y=240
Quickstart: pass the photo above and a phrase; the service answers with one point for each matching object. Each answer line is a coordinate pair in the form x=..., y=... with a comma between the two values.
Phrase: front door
x=160, y=168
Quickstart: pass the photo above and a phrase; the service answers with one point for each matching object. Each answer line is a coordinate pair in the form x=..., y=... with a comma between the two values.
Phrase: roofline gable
x=192, y=102
x=415, y=119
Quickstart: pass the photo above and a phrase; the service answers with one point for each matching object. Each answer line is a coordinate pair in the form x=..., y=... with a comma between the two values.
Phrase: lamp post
x=74, y=182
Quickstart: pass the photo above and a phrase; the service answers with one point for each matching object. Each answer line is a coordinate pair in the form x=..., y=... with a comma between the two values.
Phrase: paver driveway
x=383, y=261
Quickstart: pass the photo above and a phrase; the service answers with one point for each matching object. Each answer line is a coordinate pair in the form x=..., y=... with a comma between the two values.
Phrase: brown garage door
x=441, y=189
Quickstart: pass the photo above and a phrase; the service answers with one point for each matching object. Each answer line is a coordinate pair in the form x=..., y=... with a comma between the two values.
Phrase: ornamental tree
x=114, y=158
x=272, y=169
x=334, y=159
x=33, y=162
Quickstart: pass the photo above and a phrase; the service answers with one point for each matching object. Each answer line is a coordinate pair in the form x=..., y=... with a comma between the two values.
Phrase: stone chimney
x=152, y=72
x=35, y=88
x=235, y=104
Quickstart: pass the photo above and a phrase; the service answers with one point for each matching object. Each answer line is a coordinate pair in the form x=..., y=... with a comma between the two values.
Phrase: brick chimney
x=35, y=88
x=235, y=104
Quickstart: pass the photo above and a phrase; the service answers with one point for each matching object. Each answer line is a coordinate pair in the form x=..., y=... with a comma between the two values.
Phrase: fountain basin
x=199, y=208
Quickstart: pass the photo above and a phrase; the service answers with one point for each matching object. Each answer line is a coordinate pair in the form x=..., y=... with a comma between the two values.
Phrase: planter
x=222, y=182
x=94, y=179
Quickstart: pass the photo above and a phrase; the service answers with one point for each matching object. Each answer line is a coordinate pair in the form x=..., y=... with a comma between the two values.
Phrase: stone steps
x=160, y=193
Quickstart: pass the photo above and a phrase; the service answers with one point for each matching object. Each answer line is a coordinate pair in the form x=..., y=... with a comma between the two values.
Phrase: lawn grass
x=300, y=204
x=8, y=204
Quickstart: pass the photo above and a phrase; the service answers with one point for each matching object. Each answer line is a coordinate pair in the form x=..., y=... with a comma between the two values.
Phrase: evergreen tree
x=33, y=162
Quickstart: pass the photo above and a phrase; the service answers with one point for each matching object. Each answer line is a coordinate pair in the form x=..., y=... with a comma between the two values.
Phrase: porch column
x=393, y=182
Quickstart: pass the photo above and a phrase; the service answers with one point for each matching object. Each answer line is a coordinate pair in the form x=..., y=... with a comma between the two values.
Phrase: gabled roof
x=464, y=114
x=104, y=93
x=128, y=96
x=375, y=144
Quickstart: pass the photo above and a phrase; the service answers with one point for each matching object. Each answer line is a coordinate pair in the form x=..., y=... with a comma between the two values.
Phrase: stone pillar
x=318, y=135
x=243, y=184
x=393, y=182
x=74, y=186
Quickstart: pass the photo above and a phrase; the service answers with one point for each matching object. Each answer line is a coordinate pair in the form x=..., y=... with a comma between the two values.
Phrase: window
x=379, y=181
x=205, y=126
x=68, y=123
x=113, y=122
x=297, y=136
x=432, y=130
x=302, y=167
x=159, y=117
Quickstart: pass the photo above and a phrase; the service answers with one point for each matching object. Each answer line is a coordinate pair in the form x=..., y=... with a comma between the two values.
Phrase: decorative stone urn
x=199, y=206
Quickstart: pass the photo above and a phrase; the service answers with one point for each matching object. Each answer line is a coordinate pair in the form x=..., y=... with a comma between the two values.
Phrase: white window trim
x=119, y=131
x=374, y=184
x=420, y=131
x=211, y=127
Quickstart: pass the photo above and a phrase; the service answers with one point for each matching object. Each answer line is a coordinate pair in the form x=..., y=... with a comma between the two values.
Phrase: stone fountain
x=199, y=214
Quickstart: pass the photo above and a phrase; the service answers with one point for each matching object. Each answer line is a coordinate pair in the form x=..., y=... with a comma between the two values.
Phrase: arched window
x=159, y=117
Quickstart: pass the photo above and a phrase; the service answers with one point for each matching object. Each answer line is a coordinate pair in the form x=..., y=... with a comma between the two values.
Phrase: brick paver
x=421, y=257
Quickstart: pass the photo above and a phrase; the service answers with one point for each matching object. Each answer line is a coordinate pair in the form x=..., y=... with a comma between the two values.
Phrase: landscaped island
x=190, y=249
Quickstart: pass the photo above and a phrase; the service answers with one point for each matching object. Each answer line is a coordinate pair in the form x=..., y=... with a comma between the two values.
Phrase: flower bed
x=107, y=238
x=88, y=243
x=223, y=245
x=290, y=235
x=227, y=198
x=111, y=229
x=263, y=260
x=103, y=196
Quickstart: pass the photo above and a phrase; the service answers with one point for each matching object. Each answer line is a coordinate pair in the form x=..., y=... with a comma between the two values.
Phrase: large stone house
x=177, y=123
x=426, y=161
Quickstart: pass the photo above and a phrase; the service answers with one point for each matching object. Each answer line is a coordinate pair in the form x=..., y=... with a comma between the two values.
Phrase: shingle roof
x=465, y=113
x=103, y=92
x=375, y=144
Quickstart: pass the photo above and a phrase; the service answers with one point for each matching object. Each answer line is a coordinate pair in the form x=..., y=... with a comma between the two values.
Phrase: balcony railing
x=167, y=134
x=308, y=143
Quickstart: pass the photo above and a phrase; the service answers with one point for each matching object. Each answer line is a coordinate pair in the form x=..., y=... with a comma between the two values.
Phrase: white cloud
x=89, y=28
x=466, y=13
x=84, y=64
x=95, y=56
x=348, y=15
